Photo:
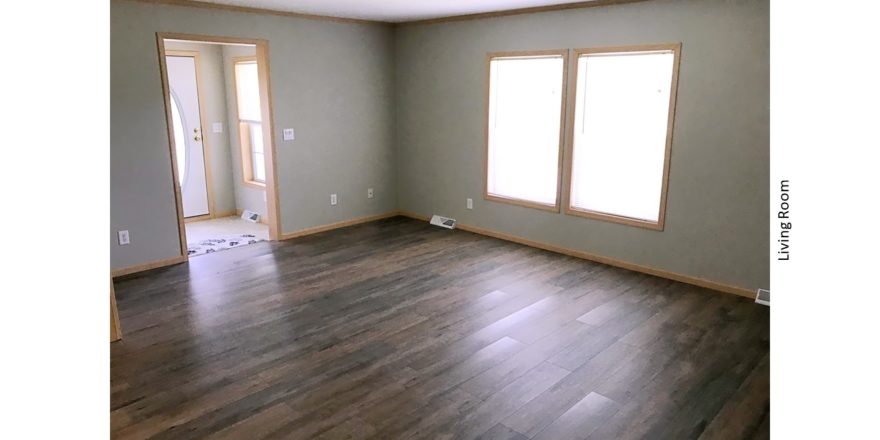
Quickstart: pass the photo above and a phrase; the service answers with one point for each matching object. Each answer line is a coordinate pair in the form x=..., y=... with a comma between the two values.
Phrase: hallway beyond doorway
x=220, y=234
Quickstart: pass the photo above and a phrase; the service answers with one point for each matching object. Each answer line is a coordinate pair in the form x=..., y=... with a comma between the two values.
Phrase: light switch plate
x=217, y=127
x=470, y=203
x=333, y=199
x=289, y=134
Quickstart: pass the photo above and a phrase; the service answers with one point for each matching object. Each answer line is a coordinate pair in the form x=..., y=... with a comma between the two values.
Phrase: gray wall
x=718, y=201
x=246, y=197
x=402, y=111
x=213, y=101
x=331, y=81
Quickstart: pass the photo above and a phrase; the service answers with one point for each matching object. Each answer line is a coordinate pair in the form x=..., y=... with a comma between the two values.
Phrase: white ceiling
x=391, y=10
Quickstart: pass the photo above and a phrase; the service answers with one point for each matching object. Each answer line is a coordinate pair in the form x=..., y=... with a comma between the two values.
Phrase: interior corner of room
x=599, y=169
x=393, y=116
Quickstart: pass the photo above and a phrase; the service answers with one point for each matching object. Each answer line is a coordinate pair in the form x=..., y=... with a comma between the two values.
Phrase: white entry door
x=188, y=134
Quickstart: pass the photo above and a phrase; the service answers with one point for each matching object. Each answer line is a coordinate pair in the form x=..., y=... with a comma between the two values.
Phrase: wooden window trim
x=569, y=153
x=555, y=207
x=244, y=130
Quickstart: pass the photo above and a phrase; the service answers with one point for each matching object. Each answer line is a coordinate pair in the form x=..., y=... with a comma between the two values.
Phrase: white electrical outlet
x=124, y=237
x=289, y=135
x=333, y=199
x=369, y=193
x=217, y=127
x=470, y=203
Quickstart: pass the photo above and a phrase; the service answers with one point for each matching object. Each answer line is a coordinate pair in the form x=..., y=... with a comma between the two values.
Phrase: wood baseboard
x=207, y=217
x=147, y=266
x=198, y=218
x=224, y=214
x=415, y=216
x=342, y=224
x=301, y=233
x=696, y=281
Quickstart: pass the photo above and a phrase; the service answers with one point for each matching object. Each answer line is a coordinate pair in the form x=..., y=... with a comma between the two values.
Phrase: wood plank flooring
x=396, y=329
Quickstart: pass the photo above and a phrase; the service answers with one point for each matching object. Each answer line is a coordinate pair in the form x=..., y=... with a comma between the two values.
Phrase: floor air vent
x=443, y=222
x=250, y=216
x=763, y=297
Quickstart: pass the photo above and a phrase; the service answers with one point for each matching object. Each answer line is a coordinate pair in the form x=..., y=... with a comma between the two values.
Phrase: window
x=180, y=149
x=622, y=132
x=524, y=121
x=247, y=92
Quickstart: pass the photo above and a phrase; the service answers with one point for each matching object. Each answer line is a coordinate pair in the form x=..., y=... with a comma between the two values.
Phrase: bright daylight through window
x=621, y=134
x=247, y=87
x=525, y=105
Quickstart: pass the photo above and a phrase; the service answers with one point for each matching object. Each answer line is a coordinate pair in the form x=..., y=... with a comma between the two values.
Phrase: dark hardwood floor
x=396, y=329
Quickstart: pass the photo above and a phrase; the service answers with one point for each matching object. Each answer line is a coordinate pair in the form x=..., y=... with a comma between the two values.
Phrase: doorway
x=218, y=111
x=186, y=121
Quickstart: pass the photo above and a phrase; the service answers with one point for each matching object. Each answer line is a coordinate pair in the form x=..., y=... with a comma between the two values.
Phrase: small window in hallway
x=247, y=91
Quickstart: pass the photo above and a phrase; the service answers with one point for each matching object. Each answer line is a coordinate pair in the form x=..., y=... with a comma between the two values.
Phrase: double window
x=620, y=113
x=250, y=126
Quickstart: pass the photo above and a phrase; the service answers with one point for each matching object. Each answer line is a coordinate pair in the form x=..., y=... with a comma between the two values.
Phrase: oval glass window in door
x=179, y=140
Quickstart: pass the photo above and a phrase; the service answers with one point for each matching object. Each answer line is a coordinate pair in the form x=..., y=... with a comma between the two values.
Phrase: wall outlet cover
x=369, y=193
x=124, y=238
x=289, y=135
